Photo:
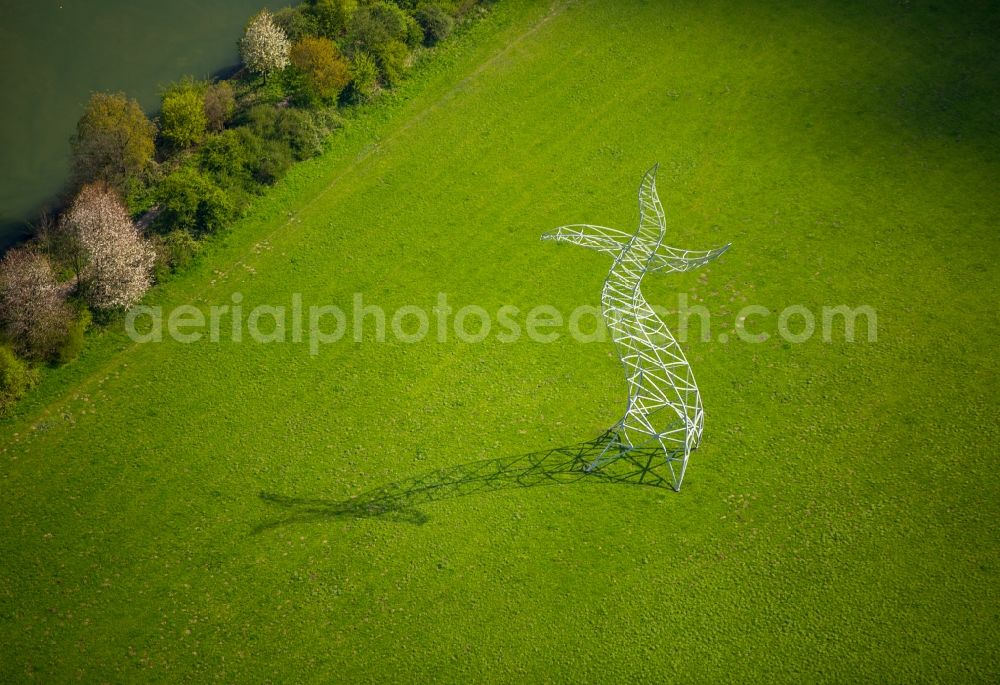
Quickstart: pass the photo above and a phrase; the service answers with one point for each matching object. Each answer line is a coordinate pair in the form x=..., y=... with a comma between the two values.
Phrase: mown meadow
x=250, y=512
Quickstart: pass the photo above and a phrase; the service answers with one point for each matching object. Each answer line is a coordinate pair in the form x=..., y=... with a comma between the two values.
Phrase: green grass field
x=839, y=521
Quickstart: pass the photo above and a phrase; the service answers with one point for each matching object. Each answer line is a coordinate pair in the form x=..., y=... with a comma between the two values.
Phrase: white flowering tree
x=264, y=47
x=117, y=262
x=32, y=304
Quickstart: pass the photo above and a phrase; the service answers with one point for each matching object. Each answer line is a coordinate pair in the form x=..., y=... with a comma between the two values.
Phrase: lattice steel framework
x=664, y=405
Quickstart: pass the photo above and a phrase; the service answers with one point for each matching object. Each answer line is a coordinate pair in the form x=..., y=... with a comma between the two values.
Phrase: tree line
x=145, y=193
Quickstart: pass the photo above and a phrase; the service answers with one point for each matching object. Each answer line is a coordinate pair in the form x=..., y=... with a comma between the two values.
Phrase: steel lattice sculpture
x=664, y=405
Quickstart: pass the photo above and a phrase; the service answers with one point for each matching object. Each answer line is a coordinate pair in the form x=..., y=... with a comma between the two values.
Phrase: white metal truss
x=664, y=405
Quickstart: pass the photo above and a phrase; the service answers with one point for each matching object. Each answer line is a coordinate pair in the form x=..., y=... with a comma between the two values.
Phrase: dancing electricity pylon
x=664, y=405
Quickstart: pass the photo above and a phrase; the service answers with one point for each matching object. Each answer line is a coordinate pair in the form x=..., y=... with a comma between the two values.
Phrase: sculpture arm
x=672, y=259
x=612, y=241
x=600, y=238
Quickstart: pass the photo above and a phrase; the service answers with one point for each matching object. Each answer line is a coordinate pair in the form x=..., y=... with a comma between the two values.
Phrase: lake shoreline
x=64, y=54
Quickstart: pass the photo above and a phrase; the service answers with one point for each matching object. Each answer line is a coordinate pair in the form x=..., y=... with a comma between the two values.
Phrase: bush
x=72, y=344
x=273, y=159
x=267, y=159
x=15, y=379
x=298, y=128
x=261, y=119
x=191, y=201
x=227, y=158
x=114, y=140
x=175, y=252
x=435, y=22
x=327, y=119
x=374, y=25
x=302, y=133
x=391, y=59
x=414, y=33
x=183, y=120
x=364, y=77
x=271, y=92
x=324, y=73
x=220, y=102
x=139, y=193
x=332, y=16
x=297, y=22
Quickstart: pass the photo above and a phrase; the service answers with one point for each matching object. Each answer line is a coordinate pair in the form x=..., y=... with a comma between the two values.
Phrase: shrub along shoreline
x=150, y=194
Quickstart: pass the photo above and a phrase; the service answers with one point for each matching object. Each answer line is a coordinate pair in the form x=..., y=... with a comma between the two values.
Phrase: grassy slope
x=839, y=519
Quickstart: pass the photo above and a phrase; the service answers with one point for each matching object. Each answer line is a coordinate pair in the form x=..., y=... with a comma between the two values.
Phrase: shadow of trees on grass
x=400, y=501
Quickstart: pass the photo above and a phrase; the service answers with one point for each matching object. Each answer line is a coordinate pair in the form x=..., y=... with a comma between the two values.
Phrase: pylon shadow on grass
x=399, y=501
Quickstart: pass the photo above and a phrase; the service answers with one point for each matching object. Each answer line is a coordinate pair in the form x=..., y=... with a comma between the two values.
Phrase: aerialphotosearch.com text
x=319, y=325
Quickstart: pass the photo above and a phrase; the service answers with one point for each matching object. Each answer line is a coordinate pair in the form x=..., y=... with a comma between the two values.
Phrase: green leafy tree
x=376, y=24
x=324, y=73
x=435, y=22
x=183, y=120
x=332, y=16
x=220, y=103
x=114, y=140
x=297, y=22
